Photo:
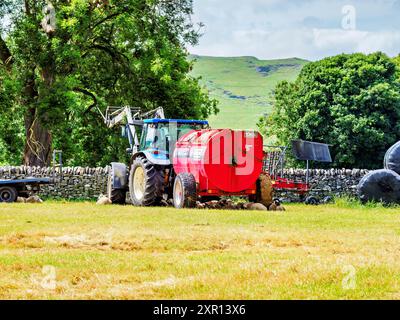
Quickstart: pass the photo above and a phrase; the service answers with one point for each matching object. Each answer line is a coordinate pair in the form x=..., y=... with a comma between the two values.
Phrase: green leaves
x=349, y=101
x=103, y=52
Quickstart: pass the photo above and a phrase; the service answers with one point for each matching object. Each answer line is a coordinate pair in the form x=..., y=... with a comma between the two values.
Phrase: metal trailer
x=11, y=189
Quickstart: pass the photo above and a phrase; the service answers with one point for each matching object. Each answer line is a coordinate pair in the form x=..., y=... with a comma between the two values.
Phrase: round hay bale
x=380, y=186
x=392, y=158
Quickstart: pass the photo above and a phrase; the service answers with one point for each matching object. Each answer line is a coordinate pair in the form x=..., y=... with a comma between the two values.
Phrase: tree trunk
x=5, y=55
x=37, y=151
x=38, y=141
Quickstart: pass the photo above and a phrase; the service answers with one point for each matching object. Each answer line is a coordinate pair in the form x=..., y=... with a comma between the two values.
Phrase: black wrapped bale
x=392, y=158
x=380, y=186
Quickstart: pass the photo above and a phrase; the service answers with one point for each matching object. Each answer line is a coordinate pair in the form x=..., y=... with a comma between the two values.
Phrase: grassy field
x=244, y=86
x=80, y=250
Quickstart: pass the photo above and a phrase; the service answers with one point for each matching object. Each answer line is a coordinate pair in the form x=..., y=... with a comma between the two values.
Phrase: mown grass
x=239, y=77
x=161, y=253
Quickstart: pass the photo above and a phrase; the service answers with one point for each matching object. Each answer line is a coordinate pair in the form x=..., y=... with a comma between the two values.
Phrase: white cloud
x=354, y=41
x=308, y=29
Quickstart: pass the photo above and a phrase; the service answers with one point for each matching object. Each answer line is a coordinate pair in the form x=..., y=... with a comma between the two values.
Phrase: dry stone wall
x=76, y=183
x=89, y=183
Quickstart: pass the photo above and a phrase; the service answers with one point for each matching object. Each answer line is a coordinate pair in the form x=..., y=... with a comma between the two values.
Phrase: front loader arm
x=131, y=117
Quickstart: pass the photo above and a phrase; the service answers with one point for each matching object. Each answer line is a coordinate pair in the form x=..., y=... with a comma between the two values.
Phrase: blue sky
x=309, y=29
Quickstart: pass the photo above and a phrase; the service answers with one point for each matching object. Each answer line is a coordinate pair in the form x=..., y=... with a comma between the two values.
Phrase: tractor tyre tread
x=154, y=183
x=117, y=196
x=189, y=189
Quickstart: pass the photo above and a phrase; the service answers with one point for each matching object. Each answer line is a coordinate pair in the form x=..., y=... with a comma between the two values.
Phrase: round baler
x=216, y=162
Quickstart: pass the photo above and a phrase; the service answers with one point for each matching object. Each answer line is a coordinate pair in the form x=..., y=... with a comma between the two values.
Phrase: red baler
x=220, y=162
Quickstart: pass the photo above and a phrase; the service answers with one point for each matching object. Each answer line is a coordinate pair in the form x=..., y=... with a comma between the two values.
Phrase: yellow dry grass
x=84, y=251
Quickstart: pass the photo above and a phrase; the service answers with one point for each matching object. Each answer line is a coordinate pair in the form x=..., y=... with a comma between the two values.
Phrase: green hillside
x=244, y=86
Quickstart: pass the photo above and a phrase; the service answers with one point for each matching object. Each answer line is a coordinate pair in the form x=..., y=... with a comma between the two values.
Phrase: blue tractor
x=150, y=176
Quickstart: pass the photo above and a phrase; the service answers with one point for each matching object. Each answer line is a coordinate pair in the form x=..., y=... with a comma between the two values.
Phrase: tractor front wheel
x=145, y=183
x=8, y=194
x=185, y=191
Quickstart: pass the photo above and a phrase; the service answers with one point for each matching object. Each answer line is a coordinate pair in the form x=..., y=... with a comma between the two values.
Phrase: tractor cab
x=159, y=137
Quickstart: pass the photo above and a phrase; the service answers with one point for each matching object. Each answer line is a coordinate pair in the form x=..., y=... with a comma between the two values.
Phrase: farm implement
x=274, y=166
x=185, y=161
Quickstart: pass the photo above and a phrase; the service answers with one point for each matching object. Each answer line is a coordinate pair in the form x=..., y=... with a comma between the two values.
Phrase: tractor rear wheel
x=145, y=183
x=117, y=196
x=8, y=194
x=185, y=191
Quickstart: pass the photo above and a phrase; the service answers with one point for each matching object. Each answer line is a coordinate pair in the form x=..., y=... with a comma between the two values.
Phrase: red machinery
x=299, y=187
x=216, y=162
x=183, y=159
x=223, y=162
x=274, y=163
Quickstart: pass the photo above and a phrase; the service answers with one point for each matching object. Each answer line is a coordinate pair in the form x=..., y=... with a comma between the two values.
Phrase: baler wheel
x=145, y=183
x=8, y=194
x=265, y=191
x=117, y=196
x=185, y=191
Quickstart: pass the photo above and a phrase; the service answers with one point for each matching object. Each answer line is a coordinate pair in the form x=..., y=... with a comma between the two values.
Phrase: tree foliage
x=351, y=102
x=98, y=53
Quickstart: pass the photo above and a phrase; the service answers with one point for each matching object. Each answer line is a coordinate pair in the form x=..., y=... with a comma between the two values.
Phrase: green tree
x=63, y=61
x=11, y=130
x=351, y=102
x=397, y=60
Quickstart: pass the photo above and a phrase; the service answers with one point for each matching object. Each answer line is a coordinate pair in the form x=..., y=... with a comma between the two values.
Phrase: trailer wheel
x=117, y=196
x=145, y=183
x=312, y=201
x=185, y=191
x=8, y=194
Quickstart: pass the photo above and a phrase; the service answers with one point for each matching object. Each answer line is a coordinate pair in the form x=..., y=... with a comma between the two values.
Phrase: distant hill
x=244, y=86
